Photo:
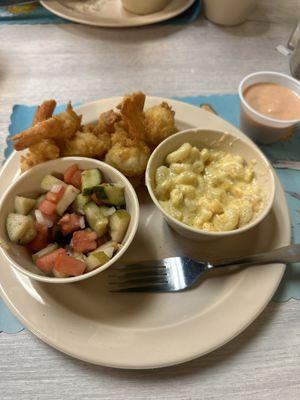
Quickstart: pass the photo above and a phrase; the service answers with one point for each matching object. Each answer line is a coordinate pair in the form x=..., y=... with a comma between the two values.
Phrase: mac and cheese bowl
x=210, y=184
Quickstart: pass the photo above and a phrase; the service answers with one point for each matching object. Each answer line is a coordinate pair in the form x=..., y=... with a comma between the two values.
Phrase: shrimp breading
x=86, y=145
x=70, y=122
x=107, y=121
x=61, y=126
x=132, y=113
x=47, y=129
x=160, y=123
x=123, y=137
x=42, y=151
x=88, y=128
x=46, y=149
x=127, y=155
x=44, y=111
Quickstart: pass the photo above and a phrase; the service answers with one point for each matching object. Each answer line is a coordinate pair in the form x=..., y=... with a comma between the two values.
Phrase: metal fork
x=176, y=274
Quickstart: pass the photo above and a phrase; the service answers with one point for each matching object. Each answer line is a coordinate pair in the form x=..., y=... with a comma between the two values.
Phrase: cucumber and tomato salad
x=75, y=225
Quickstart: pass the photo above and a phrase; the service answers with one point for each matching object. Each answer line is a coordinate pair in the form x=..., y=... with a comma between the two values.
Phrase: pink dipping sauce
x=274, y=101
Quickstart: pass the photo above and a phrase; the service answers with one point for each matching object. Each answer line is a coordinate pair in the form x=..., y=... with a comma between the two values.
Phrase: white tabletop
x=80, y=63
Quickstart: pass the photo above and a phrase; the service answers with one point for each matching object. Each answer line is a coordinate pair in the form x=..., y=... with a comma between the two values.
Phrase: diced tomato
x=46, y=263
x=69, y=265
x=69, y=172
x=96, y=200
x=84, y=241
x=70, y=223
x=40, y=241
x=47, y=207
x=51, y=197
x=55, y=197
x=76, y=179
x=41, y=228
x=52, y=217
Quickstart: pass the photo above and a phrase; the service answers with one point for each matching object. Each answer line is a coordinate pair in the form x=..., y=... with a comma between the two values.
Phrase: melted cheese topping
x=208, y=189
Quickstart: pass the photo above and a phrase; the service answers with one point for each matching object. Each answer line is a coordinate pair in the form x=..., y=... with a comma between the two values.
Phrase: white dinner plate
x=110, y=13
x=141, y=330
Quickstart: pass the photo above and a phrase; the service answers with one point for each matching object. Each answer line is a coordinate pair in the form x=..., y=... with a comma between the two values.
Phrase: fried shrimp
x=42, y=151
x=107, y=121
x=86, y=145
x=160, y=123
x=47, y=129
x=88, y=128
x=70, y=122
x=132, y=113
x=44, y=111
x=124, y=137
x=61, y=126
x=46, y=149
x=127, y=155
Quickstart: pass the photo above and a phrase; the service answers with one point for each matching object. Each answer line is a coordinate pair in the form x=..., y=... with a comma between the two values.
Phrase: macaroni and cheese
x=208, y=189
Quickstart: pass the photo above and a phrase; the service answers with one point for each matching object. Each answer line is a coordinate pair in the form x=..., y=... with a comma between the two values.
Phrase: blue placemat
x=36, y=14
x=226, y=106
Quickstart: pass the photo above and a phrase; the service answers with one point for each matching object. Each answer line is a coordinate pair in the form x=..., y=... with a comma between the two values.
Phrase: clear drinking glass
x=295, y=62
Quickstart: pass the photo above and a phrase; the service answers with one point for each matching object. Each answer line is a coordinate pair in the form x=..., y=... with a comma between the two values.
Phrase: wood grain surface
x=82, y=63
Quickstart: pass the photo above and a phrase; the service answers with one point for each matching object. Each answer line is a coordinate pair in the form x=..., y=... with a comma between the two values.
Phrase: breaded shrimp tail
x=45, y=149
x=71, y=122
x=44, y=111
x=61, y=126
x=50, y=128
x=132, y=113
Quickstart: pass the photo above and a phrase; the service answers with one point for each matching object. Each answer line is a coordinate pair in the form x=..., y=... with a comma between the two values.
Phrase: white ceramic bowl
x=29, y=182
x=214, y=140
x=143, y=7
x=259, y=127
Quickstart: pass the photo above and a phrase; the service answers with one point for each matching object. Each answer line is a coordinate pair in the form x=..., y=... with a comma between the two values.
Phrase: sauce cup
x=259, y=127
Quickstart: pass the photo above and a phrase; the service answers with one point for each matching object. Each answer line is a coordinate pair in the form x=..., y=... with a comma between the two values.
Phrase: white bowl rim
x=50, y=279
x=189, y=228
x=270, y=73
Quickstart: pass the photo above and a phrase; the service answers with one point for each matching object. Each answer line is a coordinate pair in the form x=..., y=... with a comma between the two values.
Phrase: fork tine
x=140, y=266
x=156, y=288
x=121, y=275
x=140, y=281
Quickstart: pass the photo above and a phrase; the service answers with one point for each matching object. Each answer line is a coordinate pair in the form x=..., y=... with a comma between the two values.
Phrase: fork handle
x=287, y=254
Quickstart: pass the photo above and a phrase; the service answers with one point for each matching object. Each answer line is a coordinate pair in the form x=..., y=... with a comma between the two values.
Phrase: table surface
x=82, y=63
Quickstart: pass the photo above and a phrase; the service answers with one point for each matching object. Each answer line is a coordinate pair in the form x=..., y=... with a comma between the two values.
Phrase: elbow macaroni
x=208, y=189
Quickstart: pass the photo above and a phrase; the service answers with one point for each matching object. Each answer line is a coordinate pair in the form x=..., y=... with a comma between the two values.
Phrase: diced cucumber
x=118, y=224
x=47, y=250
x=107, y=211
x=17, y=225
x=89, y=179
x=107, y=248
x=79, y=256
x=95, y=260
x=111, y=193
x=23, y=205
x=50, y=180
x=39, y=200
x=95, y=218
x=68, y=197
x=30, y=233
x=79, y=203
